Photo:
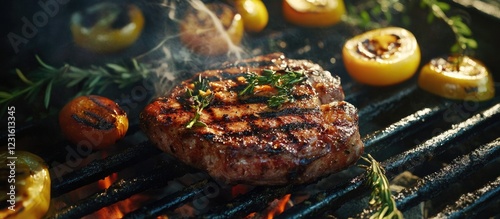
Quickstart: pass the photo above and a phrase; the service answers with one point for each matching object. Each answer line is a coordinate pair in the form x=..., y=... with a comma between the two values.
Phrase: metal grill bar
x=465, y=207
x=125, y=188
x=169, y=201
x=409, y=159
x=458, y=169
x=259, y=197
x=101, y=168
x=401, y=129
x=325, y=200
x=439, y=143
x=371, y=110
x=255, y=200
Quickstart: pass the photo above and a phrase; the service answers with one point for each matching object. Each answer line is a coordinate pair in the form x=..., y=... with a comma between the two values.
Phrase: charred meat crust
x=247, y=142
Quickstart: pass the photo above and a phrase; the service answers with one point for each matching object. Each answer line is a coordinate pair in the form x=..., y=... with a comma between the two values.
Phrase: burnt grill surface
x=476, y=133
x=450, y=144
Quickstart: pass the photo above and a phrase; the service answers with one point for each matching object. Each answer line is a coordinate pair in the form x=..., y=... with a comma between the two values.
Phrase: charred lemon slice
x=107, y=27
x=254, y=14
x=467, y=79
x=26, y=192
x=382, y=57
x=313, y=13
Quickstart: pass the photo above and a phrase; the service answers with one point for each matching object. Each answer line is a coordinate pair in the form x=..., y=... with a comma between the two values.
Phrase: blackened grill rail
x=455, y=171
x=125, y=188
x=258, y=199
x=407, y=160
x=471, y=203
x=170, y=201
x=102, y=168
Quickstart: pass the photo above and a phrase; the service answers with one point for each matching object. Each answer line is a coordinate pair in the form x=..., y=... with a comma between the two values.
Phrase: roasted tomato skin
x=390, y=67
x=93, y=121
x=32, y=186
x=254, y=14
x=471, y=81
x=200, y=34
x=101, y=35
x=313, y=13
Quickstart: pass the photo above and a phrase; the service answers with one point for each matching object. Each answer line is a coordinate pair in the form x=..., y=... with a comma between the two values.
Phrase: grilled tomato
x=382, y=57
x=93, y=121
x=25, y=186
x=465, y=79
x=254, y=14
x=107, y=27
x=313, y=13
x=201, y=34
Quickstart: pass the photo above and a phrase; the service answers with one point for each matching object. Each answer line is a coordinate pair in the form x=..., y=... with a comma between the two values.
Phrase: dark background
x=53, y=41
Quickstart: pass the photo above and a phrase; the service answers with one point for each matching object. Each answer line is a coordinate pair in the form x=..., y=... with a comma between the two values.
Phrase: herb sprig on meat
x=282, y=81
x=199, y=98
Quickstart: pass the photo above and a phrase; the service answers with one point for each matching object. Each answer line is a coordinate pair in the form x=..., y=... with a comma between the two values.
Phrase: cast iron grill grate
x=448, y=143
x=476, y=133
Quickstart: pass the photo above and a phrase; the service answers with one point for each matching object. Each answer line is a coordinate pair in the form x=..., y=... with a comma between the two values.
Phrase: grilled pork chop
x=247, y=141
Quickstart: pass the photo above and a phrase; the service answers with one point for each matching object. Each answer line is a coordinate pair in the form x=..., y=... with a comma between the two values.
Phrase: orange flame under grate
x=279, y=207
x=275, y=208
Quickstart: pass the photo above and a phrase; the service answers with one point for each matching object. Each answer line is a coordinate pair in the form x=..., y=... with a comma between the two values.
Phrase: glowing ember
x=251, y=215
x=112, y=211
x=107, y=181
x=119, y=209
x=240, y=189
x=275, y=208
x=279, y=207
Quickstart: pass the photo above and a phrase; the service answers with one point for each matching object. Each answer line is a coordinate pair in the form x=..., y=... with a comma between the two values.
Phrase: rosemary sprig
x=463, y=34
x=381, y=197
x=88, y=80
x=375, y=14
x=283, y=82
x=199, y=98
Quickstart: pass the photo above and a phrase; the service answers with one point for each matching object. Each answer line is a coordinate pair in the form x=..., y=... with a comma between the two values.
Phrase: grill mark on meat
x=252, y=100
x=221, y=115
x=300, y=115
x=245, y=141
x=285, y=129
x=289, y=111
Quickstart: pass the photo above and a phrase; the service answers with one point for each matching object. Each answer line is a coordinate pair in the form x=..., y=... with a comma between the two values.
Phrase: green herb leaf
x=5, y=95
x=443, y=5
x=48, y=92
x=94, y=81
x=117, y=68
x=462, y=32
x=430, y=17
x=381, y=197
x=199, y=97
x=87, y=80
x=43, y=64
x=365, y=17
x=462, y=28
x=22, y=77
x=471, y=43
x=455, y=48
x=282, y=81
